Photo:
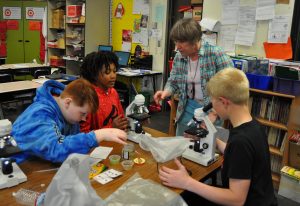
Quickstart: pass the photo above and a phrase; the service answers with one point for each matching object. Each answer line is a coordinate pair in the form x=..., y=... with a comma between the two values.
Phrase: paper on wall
x=265, y=9
x=278, y=29
x=246, y=30
x=230, y=11
x=210, y=24
x=227, y=37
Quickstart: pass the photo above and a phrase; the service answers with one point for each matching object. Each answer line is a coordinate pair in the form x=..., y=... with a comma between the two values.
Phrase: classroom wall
x=97, y=30
x=212, y=9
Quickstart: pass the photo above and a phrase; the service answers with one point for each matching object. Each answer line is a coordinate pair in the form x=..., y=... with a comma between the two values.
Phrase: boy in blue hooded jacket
x=49, y=127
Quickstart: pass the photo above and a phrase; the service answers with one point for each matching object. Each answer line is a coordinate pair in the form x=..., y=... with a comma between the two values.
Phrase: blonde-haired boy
x=246, y=173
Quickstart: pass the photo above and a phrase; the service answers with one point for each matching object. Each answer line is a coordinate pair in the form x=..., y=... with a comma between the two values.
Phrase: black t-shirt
x=247, y=156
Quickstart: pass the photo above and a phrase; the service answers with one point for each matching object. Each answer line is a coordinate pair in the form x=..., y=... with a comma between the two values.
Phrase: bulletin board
x=126, y=22
x=213, y=9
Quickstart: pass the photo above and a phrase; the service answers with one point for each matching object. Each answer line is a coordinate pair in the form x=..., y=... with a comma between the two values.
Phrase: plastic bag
x=71, y=186
x=138, y=191
x=164, y=149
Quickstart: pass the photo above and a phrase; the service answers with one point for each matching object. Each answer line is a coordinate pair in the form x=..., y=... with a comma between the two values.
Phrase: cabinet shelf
x=56, y=48
x=275, y=151
x=272, y=124
x=73, y=28
x=272, y=93
x=275, y=177
x=76, y=24
x=52, y=28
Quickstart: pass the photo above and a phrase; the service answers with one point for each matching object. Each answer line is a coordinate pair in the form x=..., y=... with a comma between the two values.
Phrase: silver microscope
x=136, y=112
x=203, y=143
x=10, y=173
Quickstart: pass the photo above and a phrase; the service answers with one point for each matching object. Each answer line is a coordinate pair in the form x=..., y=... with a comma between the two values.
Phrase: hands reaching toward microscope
x=175, y=178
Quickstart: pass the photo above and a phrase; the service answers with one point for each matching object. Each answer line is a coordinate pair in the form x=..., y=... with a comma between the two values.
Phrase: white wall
x=212, y=9
x=157, y=49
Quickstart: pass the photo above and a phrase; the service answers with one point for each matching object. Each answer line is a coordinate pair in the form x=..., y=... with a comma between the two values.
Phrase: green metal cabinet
x=23, y=44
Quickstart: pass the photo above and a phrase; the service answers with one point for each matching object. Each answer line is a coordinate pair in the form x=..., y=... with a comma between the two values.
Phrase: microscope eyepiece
x=207, y=107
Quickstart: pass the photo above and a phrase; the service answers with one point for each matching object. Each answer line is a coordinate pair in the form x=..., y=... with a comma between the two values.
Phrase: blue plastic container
x=286, y=86
x=261, y=82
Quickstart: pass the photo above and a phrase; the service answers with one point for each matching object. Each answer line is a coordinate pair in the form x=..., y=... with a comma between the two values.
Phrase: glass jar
x=128, y=151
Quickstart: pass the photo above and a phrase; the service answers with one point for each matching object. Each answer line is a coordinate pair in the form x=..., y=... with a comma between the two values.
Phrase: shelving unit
x=56, y=33
x=289, y=105
x=83, y=31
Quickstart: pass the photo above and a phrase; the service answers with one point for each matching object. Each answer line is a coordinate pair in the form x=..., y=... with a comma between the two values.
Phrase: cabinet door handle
x=27, y=41
x=20, y=40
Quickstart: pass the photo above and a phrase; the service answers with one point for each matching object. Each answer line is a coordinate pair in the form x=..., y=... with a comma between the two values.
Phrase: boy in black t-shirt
x=246, y=173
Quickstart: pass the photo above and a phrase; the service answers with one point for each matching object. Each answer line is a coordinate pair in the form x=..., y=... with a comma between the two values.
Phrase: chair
x=40, y=72
x=123, y=92
x=21, y=74
x=3, y=79
x=6, y=78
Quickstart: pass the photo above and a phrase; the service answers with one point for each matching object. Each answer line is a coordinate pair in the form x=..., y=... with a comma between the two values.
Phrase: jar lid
x=5, y=127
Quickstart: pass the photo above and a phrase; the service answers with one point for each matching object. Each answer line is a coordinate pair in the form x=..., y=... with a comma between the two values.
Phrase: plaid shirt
x=211, y=60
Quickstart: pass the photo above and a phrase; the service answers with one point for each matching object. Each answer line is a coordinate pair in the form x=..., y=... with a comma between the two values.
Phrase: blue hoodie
x=42, y=131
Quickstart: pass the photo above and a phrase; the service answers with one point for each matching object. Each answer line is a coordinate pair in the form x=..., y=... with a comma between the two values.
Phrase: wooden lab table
x=36, y=176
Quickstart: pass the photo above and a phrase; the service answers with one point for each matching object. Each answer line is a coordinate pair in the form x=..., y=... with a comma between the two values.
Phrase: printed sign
x=35, y=13
x=11, y=12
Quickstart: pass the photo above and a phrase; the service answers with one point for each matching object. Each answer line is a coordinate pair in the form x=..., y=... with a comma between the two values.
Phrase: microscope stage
x=15, y=178
x=199, y=158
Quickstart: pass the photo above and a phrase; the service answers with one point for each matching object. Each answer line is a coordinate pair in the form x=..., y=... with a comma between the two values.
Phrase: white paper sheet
x=210, y=24
x=265, y=9
x=278, y=29
x=230, y=12
x=227, y=37
x=140, y=7
x=101, y=152
x=247, y=26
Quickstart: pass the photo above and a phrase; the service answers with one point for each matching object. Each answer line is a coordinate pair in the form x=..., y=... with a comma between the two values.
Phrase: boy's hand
x=120, y=122
x=175, y=178
x=111, y=134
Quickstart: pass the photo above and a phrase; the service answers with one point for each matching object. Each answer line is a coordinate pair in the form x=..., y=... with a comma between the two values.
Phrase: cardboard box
x=289, y=188
x=58, y=19
x=74, y=10
x=294, y=155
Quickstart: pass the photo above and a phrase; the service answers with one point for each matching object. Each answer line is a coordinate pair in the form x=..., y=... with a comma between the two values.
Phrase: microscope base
x=134, y=137
x=199, y=158
x=12, y=179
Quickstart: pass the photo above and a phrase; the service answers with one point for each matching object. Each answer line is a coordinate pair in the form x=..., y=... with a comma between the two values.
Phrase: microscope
x=203, y=144
x=10, y=173
x=136, y=112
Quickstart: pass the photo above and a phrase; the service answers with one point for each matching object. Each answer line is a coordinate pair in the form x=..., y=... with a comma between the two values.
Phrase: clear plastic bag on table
x=141, y=192
x=71, y=185
x=164, y=149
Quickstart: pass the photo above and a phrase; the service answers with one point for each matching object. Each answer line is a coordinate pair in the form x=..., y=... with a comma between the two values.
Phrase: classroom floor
x=158, y=121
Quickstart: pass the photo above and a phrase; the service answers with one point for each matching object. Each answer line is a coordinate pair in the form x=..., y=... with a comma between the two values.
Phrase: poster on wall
x=11, y=12
x=144, y=21
x=12, y=24
x=34, y=26
x=126, y=39
x=119, y=11
x=35, y=13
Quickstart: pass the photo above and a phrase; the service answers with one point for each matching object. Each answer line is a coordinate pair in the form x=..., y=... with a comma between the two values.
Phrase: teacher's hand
x=161, y=95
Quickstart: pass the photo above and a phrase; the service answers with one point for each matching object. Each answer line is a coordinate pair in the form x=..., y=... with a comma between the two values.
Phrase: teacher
x=194, y=64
